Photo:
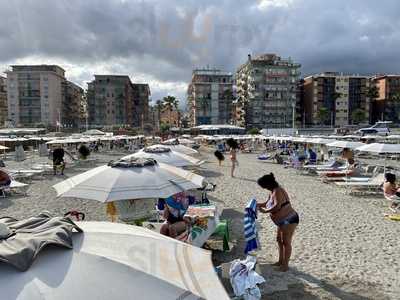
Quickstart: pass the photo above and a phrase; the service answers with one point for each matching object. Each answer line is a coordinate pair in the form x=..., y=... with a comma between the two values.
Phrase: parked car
x=380, y=128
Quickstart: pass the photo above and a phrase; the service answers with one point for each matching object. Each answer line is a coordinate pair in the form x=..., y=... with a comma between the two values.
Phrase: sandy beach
x=342, y=249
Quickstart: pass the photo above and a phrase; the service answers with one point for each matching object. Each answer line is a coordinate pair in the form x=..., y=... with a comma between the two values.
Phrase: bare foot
x=283, y=268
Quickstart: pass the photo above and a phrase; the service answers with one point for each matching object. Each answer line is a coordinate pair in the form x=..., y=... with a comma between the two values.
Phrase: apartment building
x=109, y=99
x=387, y=105
x=35, y=94
x=72, y=103
x=210, y=97
x=266, y=92
x=141, y=97
x=331, y=98
x=3, y=101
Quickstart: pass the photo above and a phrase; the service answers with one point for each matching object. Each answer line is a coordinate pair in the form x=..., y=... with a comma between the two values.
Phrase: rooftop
x=214, y=71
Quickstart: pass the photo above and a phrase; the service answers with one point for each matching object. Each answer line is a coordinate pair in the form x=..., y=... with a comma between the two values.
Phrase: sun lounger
x=14, y=185
x=347, y=179
x=374, y=183
x=25, y=173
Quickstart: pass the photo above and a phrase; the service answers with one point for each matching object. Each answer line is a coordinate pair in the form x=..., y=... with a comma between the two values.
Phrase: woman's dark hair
x=232, y=143
x=268, y=182
x=390, y=177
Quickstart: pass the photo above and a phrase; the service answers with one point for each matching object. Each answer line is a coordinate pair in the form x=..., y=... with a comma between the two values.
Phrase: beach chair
x=372, y=185
x=13, y=186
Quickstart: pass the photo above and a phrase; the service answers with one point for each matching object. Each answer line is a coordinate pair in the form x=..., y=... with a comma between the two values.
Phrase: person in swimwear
x=282, y=214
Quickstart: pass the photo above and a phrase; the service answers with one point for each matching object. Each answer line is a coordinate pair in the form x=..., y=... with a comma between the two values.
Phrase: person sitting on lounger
x=5, y=179
x=174, y=210
x=391, y=190
x=312, y=156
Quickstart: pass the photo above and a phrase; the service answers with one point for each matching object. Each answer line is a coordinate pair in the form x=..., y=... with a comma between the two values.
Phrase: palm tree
x=358, y=116
x=373, y=94
x=396, y=103
x=335, y=96
x=159, y=107
x=323, y=114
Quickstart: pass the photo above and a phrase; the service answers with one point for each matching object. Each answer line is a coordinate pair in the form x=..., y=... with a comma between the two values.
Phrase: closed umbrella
x=165, y=155
x=136, y=179
x=116, y=261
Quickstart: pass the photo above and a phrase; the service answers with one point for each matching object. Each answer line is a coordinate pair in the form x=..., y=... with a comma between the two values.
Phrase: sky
x=160, y=42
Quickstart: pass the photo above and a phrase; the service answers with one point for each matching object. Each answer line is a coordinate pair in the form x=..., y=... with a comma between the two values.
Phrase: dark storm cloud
x=166, y=39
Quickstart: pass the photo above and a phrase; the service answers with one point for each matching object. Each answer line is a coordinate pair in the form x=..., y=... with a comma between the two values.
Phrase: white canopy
x=107, y=184
x=116, y=261
x=94, y=132
x=3, y=147
x=345, y=144
x=380, y=148
x=178, y=148
x=167, y=156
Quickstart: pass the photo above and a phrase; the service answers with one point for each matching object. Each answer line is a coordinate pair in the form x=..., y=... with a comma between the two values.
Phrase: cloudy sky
x=160, y=42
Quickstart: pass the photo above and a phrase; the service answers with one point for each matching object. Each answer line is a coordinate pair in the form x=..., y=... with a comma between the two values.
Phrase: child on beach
x=391, y=190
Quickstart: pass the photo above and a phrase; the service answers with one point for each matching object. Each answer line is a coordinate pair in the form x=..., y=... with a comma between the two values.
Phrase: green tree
x=396, y=104
x=164, y=127
x=358, y=116
x=323, y=115
x=373, y=93
x=159, y=107
x=204, y=104
x=253, y=131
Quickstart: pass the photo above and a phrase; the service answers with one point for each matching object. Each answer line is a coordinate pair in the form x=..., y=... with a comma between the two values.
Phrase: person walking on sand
x=282, y=214
x=233, y=145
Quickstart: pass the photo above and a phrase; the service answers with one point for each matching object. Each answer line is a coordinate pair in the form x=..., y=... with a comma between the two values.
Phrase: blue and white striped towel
x=250, y=230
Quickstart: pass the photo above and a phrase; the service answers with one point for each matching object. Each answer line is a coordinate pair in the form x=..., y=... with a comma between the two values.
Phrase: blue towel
x=250, y=230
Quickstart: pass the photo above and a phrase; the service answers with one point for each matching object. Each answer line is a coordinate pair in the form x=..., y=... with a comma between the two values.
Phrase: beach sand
x=342, y=249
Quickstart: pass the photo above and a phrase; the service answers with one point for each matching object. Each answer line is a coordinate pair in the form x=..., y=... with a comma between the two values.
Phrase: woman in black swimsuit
x=282, y=214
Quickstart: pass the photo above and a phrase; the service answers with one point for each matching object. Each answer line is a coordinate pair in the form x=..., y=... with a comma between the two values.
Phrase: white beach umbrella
x=116, y=261
x=345, y=144
x=3, y=147
x=299, y=139
x=165, y=155
x=372, y=137
x=378, y=148
x=351, y=137
x=137, y=179
x=94, y=132
x=178, y=148
x=393, y=137
x=320, y=141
